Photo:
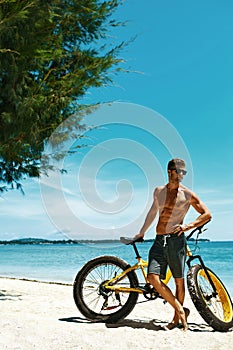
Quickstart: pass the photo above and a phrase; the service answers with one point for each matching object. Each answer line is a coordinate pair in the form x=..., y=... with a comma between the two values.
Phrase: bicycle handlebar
x=199, y=228
x=130, y=240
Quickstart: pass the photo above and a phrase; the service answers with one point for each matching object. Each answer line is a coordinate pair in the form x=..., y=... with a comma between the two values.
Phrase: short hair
x=175, y=163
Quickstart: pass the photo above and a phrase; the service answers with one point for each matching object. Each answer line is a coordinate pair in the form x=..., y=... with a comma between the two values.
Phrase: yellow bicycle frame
x=112, y=283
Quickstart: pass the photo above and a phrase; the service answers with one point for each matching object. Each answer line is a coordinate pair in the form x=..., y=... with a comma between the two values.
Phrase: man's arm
x=201, y=208
x=150, y=216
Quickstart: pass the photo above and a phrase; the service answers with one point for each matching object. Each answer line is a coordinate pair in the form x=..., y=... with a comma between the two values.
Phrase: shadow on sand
x=155, y=325
x=9, y=295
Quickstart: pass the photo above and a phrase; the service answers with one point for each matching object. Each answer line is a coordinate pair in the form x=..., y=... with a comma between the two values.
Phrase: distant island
x=48, y=241
x=72, y=241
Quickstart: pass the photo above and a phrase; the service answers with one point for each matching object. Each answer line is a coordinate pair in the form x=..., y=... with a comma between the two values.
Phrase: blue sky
x=177, y=100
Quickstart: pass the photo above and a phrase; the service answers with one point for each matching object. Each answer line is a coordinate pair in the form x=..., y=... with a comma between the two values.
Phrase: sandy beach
x=37, y=315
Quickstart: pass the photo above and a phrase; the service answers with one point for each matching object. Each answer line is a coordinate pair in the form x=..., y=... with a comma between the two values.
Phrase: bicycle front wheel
x=98, y=303
x=215, y=308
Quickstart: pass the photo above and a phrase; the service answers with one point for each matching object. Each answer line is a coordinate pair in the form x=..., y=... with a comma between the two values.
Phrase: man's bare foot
x=170, y=326
x=184, y=318
x=175, y=322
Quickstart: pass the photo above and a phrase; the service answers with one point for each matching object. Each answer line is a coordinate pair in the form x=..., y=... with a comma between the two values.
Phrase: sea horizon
x=41, y=240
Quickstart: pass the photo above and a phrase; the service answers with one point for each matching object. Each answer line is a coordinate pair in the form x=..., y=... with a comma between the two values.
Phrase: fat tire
x=201, y=303
x=79, y=296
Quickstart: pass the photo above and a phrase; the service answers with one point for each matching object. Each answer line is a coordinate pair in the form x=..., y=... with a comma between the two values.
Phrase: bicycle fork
x=191, y=258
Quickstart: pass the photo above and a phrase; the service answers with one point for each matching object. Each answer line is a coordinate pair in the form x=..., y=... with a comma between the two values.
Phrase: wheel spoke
x=213, y=304
x=94, y=300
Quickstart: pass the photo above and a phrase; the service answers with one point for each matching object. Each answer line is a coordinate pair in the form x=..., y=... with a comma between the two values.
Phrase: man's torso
x=173, y=206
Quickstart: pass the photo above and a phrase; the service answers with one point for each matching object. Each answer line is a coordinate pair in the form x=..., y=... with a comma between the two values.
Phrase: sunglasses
x=180, y=171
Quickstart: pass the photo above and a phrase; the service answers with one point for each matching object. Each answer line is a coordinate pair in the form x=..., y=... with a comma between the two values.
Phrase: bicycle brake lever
x=201, y=230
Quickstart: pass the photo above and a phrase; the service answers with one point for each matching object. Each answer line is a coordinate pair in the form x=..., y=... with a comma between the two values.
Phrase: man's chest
x=173, y=199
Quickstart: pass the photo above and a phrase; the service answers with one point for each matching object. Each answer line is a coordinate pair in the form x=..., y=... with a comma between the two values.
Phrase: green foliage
x=51, y=53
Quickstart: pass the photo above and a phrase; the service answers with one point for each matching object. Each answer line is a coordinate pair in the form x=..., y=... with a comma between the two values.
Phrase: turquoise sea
x=61, y=262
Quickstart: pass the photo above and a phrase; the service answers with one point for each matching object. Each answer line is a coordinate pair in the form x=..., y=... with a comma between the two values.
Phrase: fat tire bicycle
x=106, y=289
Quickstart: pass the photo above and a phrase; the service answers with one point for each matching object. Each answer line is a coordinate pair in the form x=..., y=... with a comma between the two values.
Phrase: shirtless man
x=172, y=202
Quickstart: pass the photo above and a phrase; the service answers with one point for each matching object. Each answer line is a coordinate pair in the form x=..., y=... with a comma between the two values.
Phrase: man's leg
x=180, y=294
x=166, y=293
x=176, y=261
x=180, y=289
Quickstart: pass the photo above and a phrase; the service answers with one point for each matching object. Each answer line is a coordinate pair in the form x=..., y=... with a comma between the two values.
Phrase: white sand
x=44, y=316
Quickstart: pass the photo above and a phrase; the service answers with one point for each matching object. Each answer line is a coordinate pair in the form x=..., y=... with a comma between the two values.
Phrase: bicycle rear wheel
x=101, y=304
x=216, y=310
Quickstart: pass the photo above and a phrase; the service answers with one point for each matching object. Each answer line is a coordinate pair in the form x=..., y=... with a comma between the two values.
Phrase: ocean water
x=61, y=262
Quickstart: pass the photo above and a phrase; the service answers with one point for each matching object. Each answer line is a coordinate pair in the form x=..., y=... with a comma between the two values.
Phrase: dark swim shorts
x=168, y=250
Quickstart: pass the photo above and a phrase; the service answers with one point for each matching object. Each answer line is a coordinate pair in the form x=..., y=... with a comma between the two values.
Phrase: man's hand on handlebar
x=138, y=236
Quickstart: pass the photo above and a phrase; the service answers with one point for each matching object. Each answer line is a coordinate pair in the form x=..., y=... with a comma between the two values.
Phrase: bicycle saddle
x=130, y=240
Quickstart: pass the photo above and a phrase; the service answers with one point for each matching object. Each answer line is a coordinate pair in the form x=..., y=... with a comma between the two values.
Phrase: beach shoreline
x=38, y=314
x=35, y=280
